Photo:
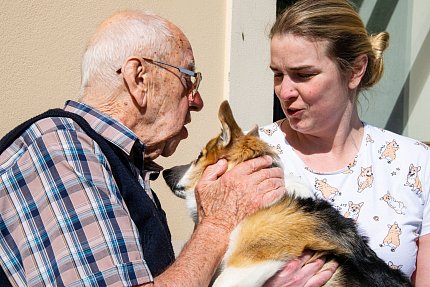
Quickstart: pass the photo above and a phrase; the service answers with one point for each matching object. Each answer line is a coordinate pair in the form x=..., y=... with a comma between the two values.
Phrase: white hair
x=133, y=33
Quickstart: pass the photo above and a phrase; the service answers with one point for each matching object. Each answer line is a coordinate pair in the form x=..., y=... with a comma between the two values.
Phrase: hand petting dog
x=223, y=200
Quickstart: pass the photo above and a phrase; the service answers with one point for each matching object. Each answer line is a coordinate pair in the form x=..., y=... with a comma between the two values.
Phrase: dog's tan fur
x=264, y=241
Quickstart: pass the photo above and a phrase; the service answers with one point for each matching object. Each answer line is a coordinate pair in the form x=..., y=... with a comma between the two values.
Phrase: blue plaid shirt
x=63, y=221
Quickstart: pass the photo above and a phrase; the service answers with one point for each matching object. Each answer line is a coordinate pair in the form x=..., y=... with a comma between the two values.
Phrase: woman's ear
x=135, y=75
x=358, y=71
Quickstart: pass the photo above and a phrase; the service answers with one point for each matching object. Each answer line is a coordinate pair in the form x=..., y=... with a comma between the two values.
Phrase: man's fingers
x=214, y=171
x=271, y=187
x=272, y=197
x=256, y=164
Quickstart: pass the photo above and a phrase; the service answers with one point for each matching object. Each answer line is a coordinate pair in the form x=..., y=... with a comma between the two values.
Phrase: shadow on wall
x=421, y=72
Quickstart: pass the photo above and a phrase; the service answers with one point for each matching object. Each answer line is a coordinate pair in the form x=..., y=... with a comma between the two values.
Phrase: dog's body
x=263, y=242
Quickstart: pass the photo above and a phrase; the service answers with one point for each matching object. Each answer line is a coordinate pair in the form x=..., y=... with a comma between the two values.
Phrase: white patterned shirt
x=385, y=189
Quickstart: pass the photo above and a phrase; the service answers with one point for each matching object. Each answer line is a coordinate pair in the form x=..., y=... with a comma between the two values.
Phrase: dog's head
x=231, y=144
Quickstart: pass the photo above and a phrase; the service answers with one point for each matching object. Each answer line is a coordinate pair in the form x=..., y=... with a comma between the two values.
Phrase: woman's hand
x=298, y=273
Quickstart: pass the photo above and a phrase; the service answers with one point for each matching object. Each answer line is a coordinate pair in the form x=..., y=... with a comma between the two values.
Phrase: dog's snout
x=169, y=178
x=173, y=175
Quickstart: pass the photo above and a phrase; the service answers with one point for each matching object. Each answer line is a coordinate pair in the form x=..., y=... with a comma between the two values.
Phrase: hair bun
x=379, y=43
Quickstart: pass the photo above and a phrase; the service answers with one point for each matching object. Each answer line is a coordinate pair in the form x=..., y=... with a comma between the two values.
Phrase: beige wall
x=42, y=43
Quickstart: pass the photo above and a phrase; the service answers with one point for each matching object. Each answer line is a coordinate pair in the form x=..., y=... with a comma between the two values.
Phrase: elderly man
x=75, y=202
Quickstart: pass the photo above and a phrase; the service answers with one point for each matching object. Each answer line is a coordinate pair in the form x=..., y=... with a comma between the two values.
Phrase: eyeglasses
x=195, y=77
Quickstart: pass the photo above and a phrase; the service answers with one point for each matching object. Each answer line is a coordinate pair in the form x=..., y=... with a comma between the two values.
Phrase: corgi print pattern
x=386, y=168
x=413, y=179
x=369, y=139
x=392, y=266
x=353, y=210
x=389, y=151
x=350, y=166
x=264, y=241
x=392, y=239
x=365, y=179
x=397, y=206
x=328, y=192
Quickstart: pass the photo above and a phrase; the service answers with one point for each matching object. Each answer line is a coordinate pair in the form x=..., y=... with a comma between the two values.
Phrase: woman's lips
x=293, y=112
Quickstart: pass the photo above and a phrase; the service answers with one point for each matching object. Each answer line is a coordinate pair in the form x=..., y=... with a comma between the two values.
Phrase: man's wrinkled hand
x=225, y=198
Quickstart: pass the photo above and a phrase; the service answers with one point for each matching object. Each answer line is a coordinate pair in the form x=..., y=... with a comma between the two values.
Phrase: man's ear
x=135, y=74
x=358, y=71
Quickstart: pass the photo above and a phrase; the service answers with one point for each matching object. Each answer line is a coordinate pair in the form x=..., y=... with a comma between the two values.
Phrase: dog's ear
x=253, y=132
x=230, y=128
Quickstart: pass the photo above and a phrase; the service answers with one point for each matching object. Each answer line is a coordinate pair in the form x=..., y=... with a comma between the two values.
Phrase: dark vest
x=146, y=214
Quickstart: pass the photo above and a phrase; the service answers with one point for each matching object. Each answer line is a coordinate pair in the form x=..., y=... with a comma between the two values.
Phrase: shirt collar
x=108, y=127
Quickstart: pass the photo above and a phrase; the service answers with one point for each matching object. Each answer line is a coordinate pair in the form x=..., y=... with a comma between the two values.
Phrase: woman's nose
x=287, y=89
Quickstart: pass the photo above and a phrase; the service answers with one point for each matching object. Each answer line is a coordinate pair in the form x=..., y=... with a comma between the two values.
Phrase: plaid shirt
x=63, y=221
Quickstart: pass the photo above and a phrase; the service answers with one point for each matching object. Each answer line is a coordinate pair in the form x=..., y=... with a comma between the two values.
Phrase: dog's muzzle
x=173, y=175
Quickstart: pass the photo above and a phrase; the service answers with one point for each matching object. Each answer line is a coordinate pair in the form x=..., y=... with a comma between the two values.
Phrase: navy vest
x=147, y=215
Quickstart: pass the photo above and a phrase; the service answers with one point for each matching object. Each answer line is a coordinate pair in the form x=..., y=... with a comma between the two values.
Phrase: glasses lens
x=196, y=81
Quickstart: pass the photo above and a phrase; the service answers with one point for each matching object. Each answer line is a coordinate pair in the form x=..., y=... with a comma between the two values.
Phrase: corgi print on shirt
x=398, y=206
x=388, y=152
x=392, y=239
x=413, y=180
x=365, y=179
x=390, y=177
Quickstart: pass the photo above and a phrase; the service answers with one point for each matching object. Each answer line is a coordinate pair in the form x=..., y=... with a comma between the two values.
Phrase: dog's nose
x=173, y=175
x=169, y=178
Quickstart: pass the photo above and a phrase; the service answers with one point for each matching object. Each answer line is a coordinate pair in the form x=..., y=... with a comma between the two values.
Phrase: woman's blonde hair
x=338, y=23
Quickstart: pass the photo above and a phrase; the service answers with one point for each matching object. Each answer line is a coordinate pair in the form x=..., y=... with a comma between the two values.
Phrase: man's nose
x=195, y=102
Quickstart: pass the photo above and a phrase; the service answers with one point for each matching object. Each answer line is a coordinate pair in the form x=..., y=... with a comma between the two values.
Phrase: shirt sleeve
x=76, y=229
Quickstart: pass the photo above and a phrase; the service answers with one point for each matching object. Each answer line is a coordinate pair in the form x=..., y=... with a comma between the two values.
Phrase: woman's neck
x=327, y=151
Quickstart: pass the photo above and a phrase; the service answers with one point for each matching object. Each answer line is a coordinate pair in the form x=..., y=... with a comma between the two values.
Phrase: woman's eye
x=305, y=75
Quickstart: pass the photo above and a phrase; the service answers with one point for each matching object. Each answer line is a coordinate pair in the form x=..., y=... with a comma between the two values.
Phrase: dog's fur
x=263, y=242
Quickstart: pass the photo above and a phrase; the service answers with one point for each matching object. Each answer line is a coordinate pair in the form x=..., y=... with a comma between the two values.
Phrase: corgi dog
x=266, y=240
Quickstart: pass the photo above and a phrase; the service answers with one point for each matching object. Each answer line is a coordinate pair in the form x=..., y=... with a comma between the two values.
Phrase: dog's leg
x=248, y=276
x=241, y=273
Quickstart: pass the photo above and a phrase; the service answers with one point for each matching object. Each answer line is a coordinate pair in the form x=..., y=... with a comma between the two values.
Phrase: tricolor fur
x=263, y=242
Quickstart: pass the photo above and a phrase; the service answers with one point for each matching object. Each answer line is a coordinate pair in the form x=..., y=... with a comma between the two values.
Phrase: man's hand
x=298, y=273
x=225, y=198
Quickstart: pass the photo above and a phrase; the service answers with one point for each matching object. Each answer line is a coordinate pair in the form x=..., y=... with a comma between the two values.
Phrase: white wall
x=407, y=66
x=249, y=85
x=418, y=125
